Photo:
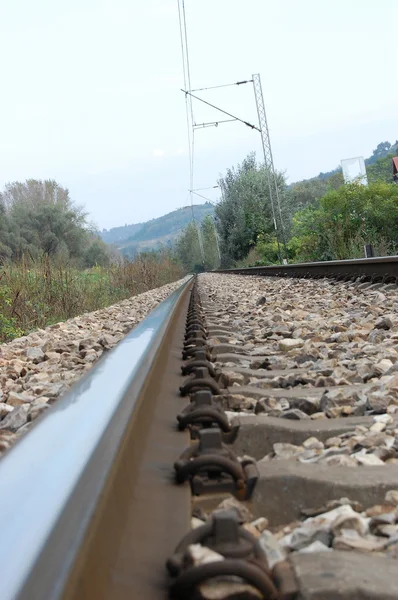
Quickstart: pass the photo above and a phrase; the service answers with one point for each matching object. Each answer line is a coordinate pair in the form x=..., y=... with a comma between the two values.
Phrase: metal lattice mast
x=217, y=240
x=268, y=159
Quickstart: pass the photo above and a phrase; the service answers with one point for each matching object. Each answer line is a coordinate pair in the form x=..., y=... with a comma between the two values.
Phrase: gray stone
x=315, y=547
x=19, y=399
x=259, y=351
x=307, y=405
x=333, y=441
x=312, y=443
x=305, y=535
x=378, y=402
x=232, y=503
x=391, y=497
x=369, y=460
x=236, y=402
x=5, y=409
x=383, y=323
x=260, y=524
x=294, y=414
x=16, y=419
x=37, y=409
x=106, y=340
x=283, y=450
x=53, y=390
x=35, y=354
x=228, y=378
x=274, y=552
x=337, y=397
x=341, y=460
x=350, y=539
x=290, y=343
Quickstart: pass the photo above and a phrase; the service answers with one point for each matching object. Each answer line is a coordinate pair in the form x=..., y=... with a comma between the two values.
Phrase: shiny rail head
x=42, y=473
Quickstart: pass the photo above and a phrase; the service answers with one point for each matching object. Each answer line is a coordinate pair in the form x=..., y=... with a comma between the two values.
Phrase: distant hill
x=118, y=234
x=152, y=235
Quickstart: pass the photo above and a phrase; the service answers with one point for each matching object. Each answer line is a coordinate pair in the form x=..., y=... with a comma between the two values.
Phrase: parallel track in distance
x=373, y=270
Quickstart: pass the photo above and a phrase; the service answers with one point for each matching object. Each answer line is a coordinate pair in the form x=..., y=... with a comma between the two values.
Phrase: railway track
x=266, y=468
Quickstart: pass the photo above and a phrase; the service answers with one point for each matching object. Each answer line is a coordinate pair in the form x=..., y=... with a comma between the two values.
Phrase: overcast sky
x=91, y=92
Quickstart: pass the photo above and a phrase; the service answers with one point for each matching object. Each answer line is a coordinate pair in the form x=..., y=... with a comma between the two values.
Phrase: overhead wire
x=187, y=55
x=209, y=187
x=188, y=104
x=185, y=84
x=216, y=87
x=221, y=110
x=201, y=196
x=190, y=117
x=192, y=126
x=190, y=99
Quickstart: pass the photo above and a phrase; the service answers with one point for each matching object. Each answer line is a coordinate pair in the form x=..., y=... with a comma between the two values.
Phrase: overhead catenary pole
x=269, y=165
x=272, y=180
x=263, y=129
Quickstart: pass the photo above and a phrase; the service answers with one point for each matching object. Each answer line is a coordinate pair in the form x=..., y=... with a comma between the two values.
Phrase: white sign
x=354, y=170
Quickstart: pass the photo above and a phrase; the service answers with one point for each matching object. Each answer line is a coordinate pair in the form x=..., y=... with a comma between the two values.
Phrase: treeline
x=196, y=248
x=53, y=265
x=321, y=218
x=39, y=218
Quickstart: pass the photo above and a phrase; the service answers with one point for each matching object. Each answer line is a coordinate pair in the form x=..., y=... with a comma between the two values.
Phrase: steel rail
x=375, y=269
x=55, y=478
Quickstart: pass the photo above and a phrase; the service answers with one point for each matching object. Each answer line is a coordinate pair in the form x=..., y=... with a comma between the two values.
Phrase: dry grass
x=36, y=294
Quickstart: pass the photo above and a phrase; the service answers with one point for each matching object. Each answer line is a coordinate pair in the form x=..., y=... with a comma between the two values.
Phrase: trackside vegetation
x=323, y=218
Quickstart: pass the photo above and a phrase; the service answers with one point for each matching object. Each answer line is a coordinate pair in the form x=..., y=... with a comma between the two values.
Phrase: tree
x=381, y=169
x=188, y=249
x=38, y=217
x=382, y=149
x=245, y=208
x=309, y=191
x=97, y=254
x=5, y=245
x=208, y=230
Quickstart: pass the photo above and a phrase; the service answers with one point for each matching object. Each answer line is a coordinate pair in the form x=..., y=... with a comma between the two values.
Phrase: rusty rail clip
x=202, y=413
x=194, y=327
x=200, y=380
x=243, y=556
x=193, y=350
x=197, y=338
x=200, y=360
x=210, y=465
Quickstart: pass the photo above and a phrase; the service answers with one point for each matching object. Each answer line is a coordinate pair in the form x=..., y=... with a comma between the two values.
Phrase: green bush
x=346, y=219
x=8, y=327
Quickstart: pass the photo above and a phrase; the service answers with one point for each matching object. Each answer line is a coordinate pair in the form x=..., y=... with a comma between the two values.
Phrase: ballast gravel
x=316, y=348
x=376, y=445
x=35, y=370
x=339, y=525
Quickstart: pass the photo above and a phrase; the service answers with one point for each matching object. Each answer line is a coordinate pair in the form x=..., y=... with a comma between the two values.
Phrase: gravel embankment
x=37, y=369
